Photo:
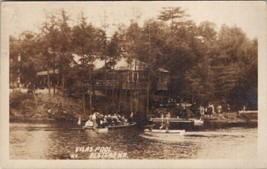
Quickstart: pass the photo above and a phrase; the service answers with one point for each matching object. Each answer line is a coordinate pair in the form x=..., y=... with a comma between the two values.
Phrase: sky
x=249, y=15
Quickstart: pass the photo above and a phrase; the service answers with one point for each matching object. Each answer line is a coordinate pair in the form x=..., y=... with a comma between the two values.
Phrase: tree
x=49, y=39
x=64, y=44
x=14, y=62
x=89, y=43
x=172, y=14
x=114, y=54
x=26, y=48
x=236, y=56
x=246, y=90
x=207, y=30
x=199, y=77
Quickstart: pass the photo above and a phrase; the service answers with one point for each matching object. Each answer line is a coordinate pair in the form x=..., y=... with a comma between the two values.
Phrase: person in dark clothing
x=193, y=108
x=184, y=113
x=109, y=120
x=209, y=110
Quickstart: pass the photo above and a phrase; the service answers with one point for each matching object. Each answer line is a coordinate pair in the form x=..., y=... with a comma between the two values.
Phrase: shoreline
x=42, y=108
x=207, y=125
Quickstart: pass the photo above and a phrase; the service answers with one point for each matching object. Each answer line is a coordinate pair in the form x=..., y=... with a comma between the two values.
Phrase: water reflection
x=59, y=141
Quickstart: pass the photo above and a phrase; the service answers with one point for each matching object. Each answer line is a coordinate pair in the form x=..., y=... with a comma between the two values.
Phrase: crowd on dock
x=186, y=111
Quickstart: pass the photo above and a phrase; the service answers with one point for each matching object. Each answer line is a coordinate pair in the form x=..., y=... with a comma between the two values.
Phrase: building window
x=129, y=77
x=135, y=77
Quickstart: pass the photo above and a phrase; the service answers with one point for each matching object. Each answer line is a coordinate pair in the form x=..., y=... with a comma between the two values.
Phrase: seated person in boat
x=100, y=120
x=102, y=124
x=123, y=120
x=89, y=123
x=130, y=119
x=219, y=109
x=115, y=119
x=109, y=119
x=105, y=121
x=94, y=117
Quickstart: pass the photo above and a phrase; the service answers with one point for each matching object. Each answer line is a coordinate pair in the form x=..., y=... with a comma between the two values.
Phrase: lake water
x=61, y=141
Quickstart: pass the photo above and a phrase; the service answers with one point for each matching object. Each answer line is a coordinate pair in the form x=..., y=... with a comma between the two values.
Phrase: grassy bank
x=42, y=106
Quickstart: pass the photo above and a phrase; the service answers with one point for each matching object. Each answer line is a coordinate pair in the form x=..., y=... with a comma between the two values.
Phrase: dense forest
x=205, y=63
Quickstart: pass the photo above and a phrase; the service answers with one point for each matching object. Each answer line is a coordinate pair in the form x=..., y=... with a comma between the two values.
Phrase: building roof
x=163, y=70
x=43, y=73
x=121, y=64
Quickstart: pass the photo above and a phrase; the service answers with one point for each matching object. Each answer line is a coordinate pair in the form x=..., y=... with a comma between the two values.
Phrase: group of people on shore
x=213, y=110
x=194, y=111
x=99, y=120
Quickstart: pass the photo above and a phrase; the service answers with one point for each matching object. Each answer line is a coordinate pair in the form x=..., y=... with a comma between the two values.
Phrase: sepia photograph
x=133, y=84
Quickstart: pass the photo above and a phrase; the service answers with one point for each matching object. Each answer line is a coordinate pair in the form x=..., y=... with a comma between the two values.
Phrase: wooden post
x=90, y=101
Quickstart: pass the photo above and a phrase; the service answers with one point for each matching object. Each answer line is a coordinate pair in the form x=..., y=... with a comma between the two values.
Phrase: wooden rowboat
x=111, y=127
x=98, y=130
x=122, y=125
x=101, y=130
x=158, y=131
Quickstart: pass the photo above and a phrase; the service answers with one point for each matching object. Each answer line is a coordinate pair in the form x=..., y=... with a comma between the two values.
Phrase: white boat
x=159, y=131
x=119, y=126
x=98, y=130
x=190, y=122
x=101, y=130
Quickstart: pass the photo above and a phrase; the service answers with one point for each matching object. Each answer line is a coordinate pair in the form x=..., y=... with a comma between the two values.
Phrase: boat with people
x=118, y=126
x=179, y=123
x=103, y=123
x=163, y=129
x=191, y=121
x=107, y=128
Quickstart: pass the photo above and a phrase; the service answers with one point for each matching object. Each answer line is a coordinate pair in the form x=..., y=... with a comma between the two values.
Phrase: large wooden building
x=129, y=75
x=125, y=82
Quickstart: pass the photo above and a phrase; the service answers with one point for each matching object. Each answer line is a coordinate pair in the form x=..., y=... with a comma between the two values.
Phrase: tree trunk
x=90, y=102
x=119, y=102
x=131, y=97
x=54, y=75
x=92, y=92
x=149, y=69
x=113, y=94
x=105, y=76
x=84, y=111
x=48, y=82
x=63, y=84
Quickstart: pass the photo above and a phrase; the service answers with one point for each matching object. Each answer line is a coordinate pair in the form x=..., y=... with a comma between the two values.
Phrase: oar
x=162, y=126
